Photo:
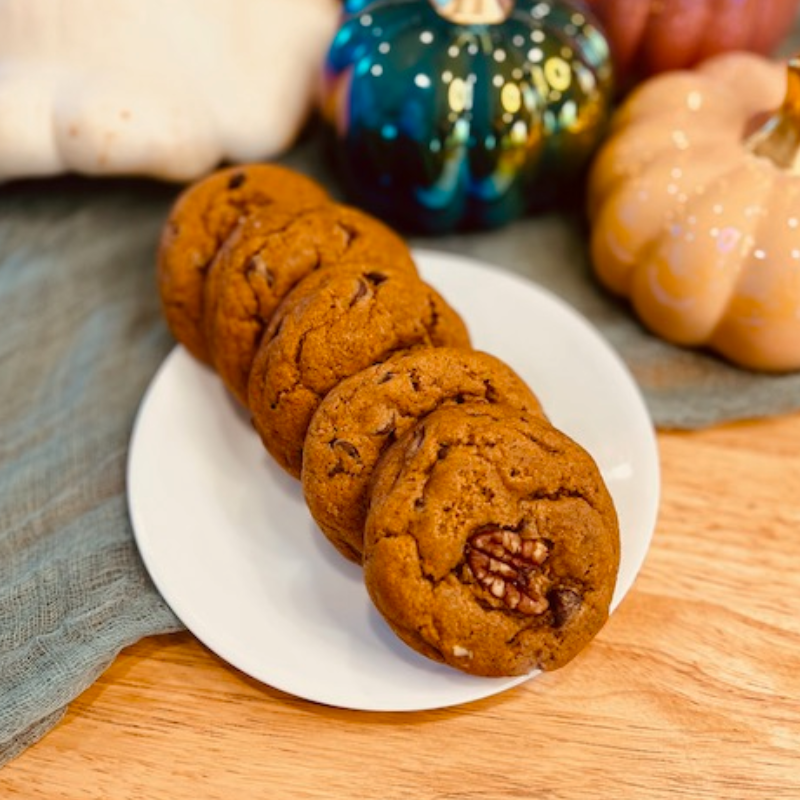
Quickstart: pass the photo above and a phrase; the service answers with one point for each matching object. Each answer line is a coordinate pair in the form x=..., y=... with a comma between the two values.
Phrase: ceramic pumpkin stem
x=779, y=138
x=473, y=12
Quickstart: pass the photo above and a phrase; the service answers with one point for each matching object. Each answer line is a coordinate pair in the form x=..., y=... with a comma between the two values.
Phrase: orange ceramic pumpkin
x=650, y=36
x=694, y=202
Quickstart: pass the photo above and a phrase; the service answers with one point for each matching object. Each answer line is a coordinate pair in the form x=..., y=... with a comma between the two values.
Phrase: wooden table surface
x=692, y=690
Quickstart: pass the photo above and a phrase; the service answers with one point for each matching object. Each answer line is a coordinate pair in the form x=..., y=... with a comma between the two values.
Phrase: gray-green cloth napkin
x=81, y=337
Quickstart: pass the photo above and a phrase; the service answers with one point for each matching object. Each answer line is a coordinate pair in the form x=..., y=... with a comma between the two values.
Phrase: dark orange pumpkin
x=650, y=36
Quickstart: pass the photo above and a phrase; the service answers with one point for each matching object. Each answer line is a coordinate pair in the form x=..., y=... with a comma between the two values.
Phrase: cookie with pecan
x=361, y=416
x=491, y=541
x=200, y=221
x=262, y=260
x=333, y=324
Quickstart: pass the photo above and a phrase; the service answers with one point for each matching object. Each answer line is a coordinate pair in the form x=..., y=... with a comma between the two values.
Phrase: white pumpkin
x=164, y=88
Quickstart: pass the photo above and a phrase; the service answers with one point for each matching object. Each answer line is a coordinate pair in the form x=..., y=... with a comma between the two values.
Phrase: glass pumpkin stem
x=778, y=139
x=473, y=12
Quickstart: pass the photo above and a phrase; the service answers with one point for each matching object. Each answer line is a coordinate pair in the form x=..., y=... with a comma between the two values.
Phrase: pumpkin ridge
x=606, y=179
x=681, y=323
x=649, y=37
x=726, y=335
x=661, y=43
x=680, y=87
x=616, y=272
x=646, y=115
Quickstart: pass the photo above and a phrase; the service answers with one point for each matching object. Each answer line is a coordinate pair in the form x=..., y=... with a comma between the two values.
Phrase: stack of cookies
x=488, y=538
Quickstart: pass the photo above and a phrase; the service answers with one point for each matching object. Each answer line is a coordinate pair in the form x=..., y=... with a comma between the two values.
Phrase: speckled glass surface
x=439, y=125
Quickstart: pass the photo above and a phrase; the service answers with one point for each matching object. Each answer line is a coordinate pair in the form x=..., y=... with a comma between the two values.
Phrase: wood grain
x=692, y=690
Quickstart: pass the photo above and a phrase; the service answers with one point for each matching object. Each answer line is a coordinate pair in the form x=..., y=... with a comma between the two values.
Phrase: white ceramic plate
x=228, y=541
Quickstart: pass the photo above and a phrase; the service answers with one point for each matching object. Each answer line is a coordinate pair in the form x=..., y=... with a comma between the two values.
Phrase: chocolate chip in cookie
x=332, y=325
x=199, y=222
x=266, y=256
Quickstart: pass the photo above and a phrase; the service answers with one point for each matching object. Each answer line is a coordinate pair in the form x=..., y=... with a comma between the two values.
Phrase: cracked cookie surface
x=265, y=257
x=199, y=222
x=365, y=413
x=491, y=541
x=333, y=324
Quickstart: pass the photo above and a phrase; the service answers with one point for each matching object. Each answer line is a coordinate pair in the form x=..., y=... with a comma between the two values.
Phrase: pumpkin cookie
x=265, y=257
x=201, y=219
x=332, y=325
x=491, y=541
x=361, y=416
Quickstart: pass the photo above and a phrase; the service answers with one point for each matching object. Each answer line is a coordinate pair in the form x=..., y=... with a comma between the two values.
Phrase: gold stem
x=778, y=139
x=473, y=12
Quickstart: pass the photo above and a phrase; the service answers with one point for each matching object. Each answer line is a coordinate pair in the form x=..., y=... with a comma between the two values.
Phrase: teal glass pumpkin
x=458, y=114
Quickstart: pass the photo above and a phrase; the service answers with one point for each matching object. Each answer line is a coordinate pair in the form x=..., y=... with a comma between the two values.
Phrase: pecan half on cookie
x=491, y=541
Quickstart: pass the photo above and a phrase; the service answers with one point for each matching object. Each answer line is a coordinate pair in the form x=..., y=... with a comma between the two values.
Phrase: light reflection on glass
x=511, y=98
x=484, y=112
